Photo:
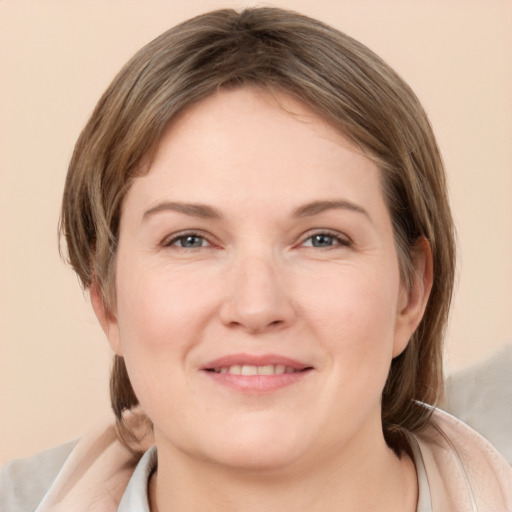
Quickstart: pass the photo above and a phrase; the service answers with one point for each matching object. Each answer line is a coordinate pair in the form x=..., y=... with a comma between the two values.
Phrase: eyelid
x=170, y=240
x=342, y=239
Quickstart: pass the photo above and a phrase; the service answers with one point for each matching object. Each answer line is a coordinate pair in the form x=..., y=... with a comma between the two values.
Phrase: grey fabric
x=24, y=482
x=481, y=396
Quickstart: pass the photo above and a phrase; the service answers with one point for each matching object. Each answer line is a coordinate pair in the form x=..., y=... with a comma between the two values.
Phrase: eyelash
x=172, y=241
x=337, y=237
x=341, y=240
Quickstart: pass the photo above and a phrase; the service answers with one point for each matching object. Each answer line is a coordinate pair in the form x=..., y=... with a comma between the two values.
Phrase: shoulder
x=24, y=482
x=464, y=471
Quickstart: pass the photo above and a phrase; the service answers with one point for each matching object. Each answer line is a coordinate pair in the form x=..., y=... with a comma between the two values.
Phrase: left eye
x=324, y=240
x=188, y=241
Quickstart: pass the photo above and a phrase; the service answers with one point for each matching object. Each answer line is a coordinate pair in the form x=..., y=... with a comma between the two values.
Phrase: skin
x=255, y=281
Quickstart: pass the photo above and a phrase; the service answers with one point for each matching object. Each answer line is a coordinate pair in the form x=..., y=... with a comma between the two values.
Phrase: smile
x=256, y=374
x=245, y=369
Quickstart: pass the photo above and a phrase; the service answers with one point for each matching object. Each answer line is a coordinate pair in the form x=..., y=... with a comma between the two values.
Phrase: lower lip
x=258, y=383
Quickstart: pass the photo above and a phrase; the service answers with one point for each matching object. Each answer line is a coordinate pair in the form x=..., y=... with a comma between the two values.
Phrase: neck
x=371, y=478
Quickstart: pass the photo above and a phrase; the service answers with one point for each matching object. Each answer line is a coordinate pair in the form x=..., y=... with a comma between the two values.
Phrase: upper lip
x=254, y=360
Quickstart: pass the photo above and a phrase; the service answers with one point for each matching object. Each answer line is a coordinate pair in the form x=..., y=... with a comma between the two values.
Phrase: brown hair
x=344, y=83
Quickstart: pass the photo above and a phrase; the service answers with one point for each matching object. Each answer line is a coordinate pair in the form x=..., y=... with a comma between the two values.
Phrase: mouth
x=256, y=374
x=268, y=369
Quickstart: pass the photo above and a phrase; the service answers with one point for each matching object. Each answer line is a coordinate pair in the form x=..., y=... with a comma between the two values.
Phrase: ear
x=413, y=300
x=106, y=318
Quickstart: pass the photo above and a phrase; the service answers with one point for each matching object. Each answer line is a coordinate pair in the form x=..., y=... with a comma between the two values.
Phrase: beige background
x=56, y=57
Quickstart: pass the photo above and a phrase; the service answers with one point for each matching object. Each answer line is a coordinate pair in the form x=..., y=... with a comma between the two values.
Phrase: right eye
x=187, y=241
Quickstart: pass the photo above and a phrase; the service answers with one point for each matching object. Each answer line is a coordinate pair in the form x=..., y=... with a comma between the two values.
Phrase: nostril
x=251, y=309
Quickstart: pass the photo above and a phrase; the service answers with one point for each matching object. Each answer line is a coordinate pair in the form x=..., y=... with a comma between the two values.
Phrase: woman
x=258, y=208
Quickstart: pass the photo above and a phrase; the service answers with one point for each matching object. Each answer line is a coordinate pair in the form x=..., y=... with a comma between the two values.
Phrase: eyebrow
x=208, y=212
x=192, y=209
x=316, y=207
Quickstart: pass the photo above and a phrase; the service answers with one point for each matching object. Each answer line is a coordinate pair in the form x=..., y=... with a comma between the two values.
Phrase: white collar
x=135, y=497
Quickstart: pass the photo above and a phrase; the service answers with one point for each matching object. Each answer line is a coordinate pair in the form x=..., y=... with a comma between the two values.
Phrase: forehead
x=267, y=105
x=257, y=146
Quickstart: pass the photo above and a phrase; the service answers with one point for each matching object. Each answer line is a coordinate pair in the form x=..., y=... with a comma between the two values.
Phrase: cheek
x=159, y=309
x=155, y=328
x=355, y=313
x=163, y=316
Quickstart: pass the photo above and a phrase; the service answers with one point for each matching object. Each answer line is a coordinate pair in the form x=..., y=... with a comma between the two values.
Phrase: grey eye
x=190, y=241
x=322, y=240
x=325, y=240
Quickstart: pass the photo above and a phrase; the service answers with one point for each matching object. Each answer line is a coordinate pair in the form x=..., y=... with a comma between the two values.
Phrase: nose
x=257, y=300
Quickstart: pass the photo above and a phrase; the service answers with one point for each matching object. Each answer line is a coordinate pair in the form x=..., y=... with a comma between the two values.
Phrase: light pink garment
x=465, y=473
x=96, y=473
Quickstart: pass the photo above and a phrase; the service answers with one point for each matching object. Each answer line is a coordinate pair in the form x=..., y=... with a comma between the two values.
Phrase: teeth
x=266, y=370
x=249, y=370
x=246, y=369
x=235, y=370
x=280, y=368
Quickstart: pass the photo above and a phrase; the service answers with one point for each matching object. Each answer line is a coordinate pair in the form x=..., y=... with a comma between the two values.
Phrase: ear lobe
x=413, y=300
x=107, y=319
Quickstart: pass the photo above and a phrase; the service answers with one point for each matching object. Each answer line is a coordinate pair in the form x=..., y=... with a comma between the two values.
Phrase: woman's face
x=259, y=303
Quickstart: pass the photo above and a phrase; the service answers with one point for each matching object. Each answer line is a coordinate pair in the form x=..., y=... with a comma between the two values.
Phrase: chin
x=257, y=457
x=254, y=449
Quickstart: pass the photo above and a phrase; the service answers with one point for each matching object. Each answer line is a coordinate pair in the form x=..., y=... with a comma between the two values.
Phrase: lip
x=255, y=360
x=256, y=384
